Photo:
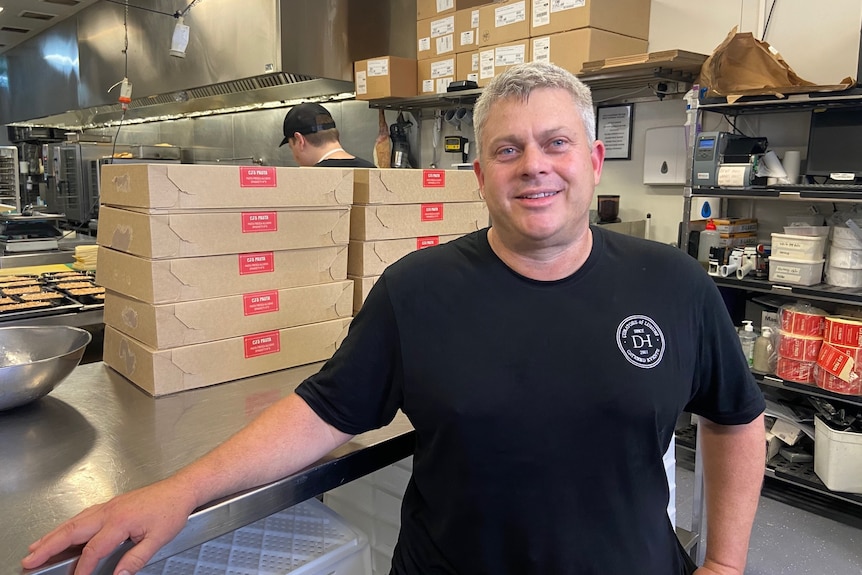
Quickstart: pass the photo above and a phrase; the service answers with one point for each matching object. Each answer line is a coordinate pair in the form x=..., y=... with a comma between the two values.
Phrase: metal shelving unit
x=796, y=475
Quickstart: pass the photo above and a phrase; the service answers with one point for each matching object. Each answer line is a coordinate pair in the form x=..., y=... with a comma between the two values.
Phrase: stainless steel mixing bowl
x=33, y=360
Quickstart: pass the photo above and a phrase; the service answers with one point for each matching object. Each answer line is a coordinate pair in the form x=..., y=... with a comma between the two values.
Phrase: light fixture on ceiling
x=180, y=39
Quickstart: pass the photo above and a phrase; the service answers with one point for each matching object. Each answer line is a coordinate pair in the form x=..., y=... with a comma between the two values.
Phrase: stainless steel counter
x=97, y=435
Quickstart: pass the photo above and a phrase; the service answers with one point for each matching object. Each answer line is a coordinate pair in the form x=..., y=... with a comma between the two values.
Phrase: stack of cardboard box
x=215, y=273
x=396, y=212
x=563, y=32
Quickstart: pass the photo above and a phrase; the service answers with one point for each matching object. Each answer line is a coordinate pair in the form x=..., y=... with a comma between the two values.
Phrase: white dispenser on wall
x=664, y=156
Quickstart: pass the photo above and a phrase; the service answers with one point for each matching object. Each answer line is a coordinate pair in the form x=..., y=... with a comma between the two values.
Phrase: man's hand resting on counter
x=150, y=517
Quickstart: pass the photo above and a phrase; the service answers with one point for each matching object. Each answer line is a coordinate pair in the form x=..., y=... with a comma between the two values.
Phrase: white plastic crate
x=838, y=458
x=306, y=539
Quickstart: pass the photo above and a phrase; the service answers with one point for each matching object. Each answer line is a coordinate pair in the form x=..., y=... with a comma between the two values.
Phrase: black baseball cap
x=306, y=118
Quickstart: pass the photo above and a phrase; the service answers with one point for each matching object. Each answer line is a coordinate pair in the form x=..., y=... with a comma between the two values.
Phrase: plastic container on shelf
x=808, y=219
x=763, y=351
x=709, y=238
x=791, y=271
x=306, y=539
x=806, y=230
x=807, y=248
x=838, y=458
x=747, y=337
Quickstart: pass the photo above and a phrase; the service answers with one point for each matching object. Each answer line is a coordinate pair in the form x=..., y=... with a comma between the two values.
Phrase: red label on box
x=260, y=302
x=433, y=178
x=427, y=242
x=432, y=212
x=253, y=222
x=257, y=177
x=835, y=362
x=262, y=344
x=259, y=263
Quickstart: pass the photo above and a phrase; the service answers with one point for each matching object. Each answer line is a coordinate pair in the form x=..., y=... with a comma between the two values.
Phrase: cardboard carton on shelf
x=570, y=50
x=384, y=77
x=371, y=258
x=466, y=30
x=432, y=8
x=186, y=279
x=394, y=186
x=204, y=233
x=504, y=21
x=494, y=60
x=389, y=222
x=434, y=75
x=467, y=66
x=200, y=365
x=171, y=325
x=193, y=187
x=435, y=37
x=626, y=17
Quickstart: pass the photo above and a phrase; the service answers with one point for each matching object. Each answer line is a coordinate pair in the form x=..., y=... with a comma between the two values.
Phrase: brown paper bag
x=743, y=65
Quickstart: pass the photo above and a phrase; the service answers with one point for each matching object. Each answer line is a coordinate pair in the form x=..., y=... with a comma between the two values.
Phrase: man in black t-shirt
x=543, y=363
x=310, y=132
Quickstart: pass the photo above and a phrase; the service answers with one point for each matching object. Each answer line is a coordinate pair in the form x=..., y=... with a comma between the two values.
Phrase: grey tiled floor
x=787, y=540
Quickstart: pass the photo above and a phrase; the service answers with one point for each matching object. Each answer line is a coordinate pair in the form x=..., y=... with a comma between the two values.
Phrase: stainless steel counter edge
x=100, y=396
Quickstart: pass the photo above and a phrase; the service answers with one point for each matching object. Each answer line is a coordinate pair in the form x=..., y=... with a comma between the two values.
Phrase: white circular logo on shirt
x=641, y=341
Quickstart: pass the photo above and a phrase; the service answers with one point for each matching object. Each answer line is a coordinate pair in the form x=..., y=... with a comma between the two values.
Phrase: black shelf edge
x=806, y=389
x=821, y=291
x=793, y=102
x=765, y=193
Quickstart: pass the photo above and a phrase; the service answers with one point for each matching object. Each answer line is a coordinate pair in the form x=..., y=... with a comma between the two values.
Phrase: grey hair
x=519, y=81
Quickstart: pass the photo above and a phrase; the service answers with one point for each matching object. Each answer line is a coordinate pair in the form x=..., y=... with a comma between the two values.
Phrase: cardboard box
x=172, y=325
x=384, y=77
x=435, y=74
x=361, y=288
x=494, y=60
x=435, y=37
x=504, y=21
x=186, y=279
x=467, y=66
x=431, y=8
x=394, y=186
x=626, y=17
x=735, y=225
x=466, y=30
x=199, y=365
x=371, y=258
x=194, y=187
x=570, y=50
x=188, y=234
x=389, y=222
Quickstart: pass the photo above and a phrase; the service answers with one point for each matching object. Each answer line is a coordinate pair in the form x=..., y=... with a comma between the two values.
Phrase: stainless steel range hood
x=241, y=55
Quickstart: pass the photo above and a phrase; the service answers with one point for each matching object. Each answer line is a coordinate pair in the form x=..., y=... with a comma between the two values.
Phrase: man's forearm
x=733, y=462
x=285, y=438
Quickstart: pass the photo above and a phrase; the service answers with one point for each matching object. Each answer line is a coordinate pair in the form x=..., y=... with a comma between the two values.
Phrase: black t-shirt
x=344, y=163
x=542, y=409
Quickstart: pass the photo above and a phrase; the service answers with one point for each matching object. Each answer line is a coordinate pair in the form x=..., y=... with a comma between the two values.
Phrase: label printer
x=722, y=159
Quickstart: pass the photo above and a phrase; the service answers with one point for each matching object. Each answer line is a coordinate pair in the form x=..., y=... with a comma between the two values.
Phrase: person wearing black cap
x=310, y=132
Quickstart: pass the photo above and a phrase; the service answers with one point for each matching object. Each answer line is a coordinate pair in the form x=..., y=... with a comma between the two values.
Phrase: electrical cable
x=639, y=90
x=768, y=18
x=185, y=10
x=125, y=75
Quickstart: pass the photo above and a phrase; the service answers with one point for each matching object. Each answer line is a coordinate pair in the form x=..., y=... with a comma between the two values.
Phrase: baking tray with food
x=69, y=276
x=88, y=294
x=33, y=301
